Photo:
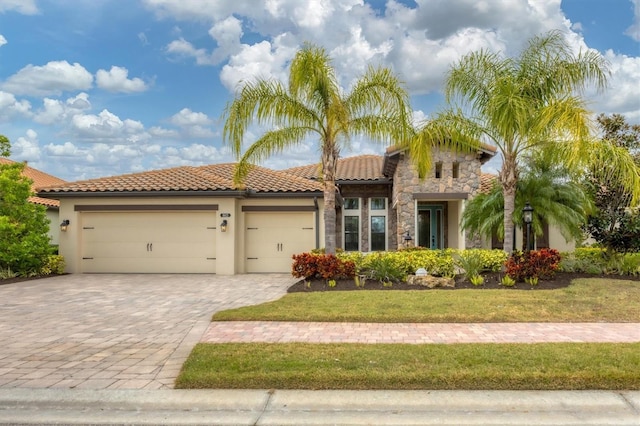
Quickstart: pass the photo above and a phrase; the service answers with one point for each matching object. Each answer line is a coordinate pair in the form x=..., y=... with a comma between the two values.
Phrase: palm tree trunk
x=508, y=179
x=329, y=164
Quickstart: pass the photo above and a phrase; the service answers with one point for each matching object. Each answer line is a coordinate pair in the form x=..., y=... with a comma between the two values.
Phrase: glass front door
x=430, y=226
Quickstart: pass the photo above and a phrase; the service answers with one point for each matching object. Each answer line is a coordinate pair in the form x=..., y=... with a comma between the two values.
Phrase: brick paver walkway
x=328, y=332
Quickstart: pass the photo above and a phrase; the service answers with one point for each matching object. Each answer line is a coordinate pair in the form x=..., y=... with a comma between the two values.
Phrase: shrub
x=507, y=281
x=54, y=266
x=381, y=267
x=324, y=266
x=476, y=280
x=470, y=261
x=535, y=263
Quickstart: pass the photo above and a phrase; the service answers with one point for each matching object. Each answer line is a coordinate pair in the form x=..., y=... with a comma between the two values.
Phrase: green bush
x=54, y=266
x=436, y=262
x=470, y=261
x=24, y=239
x=383, y=268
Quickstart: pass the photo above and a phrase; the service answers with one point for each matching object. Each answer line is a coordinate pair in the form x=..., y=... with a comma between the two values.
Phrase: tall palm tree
x=529, y=102
x=556, y=199
x=314, y=105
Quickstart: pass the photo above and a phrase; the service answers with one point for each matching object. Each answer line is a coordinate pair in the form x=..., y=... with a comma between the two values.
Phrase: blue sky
x=92, y=88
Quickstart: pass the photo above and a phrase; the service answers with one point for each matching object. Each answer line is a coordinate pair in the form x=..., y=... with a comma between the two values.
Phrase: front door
x=430, y=226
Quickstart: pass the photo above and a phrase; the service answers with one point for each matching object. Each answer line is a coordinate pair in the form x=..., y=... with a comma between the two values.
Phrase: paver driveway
x=114, y=331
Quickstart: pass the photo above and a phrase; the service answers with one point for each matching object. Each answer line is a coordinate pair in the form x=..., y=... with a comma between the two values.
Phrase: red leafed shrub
x=541, y=264
x=324, y=266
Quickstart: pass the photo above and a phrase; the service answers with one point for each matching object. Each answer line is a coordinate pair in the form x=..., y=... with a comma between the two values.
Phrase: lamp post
x=527, y=216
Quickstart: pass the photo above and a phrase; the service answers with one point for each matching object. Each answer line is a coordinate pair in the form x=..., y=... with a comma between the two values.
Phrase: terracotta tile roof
x=215, y=177
x=40, y=179
x=486, y=182
x=361, y=167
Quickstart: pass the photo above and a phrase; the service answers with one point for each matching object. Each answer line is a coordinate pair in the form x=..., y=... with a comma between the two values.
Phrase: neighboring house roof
x=39, y=179
x=215, y=177
x=487, y=181
x=358, y=168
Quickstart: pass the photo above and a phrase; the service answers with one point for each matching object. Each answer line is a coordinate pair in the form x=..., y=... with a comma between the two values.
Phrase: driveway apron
x=114, y=331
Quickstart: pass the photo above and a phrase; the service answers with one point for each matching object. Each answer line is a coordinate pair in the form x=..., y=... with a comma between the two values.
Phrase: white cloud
x=11, y=107
x=27, y=148
x=186, y=118
x=634, y=30
x=115, y=80
x=182, y=47
x=623, y=93
x=51, y=79
x=54, y=111
x=3, y=40
x=25, y=7
x=159, y=132
x=107, y=126
x=227, y=34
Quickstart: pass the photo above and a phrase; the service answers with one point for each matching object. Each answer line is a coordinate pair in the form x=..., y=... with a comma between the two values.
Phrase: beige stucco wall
x=54, y=225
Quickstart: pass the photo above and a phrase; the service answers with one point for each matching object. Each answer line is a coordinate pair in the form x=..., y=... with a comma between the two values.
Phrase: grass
x=558, y=366
x=586, y=300
x=544, y=366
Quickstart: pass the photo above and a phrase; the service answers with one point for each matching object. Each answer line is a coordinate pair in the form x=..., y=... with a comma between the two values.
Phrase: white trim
x=358, y=214
x=379, y=213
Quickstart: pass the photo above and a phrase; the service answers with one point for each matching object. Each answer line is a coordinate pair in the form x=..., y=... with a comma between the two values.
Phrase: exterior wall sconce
x=223, y=226
x=407, y=239
x=64, y=225
x=527, y=217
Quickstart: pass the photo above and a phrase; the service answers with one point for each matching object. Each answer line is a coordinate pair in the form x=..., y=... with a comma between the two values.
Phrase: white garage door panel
x=273, y=237
x=152, y=242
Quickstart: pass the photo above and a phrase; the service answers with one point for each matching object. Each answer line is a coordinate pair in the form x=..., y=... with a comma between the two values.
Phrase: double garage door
x=185, y=241
x=149, y=242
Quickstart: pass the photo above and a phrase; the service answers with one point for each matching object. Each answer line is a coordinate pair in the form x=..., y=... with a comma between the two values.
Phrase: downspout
x=315, y=203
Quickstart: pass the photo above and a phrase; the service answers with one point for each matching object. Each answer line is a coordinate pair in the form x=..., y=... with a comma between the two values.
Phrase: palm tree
x=527, y=103
x=556, y=199
x=313, y=104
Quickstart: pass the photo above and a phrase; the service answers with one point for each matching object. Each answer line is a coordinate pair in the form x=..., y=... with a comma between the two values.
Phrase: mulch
x=491, y=282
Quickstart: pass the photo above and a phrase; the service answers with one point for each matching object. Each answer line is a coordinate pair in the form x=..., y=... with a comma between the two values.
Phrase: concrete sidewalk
x=262, y=407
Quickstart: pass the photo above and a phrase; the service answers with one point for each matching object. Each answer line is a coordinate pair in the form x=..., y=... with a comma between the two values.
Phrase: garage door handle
x=150, y=246
x=307, y=228
x=252, y=258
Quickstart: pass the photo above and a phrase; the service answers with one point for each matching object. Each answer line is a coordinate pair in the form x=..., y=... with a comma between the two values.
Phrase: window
x=438, y=170
x=456, y=170
x=378, y=204
x=351, y=223
x=352, y=203
x=378, y=229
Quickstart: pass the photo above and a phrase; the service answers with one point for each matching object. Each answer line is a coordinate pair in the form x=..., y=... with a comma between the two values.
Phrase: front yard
x=459, y=366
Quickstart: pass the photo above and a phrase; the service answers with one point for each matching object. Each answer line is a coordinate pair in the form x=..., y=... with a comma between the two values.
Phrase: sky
x=92, y=88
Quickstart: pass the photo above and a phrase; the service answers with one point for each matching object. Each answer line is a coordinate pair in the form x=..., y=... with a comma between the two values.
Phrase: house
x=194, y=220
x=41, y=179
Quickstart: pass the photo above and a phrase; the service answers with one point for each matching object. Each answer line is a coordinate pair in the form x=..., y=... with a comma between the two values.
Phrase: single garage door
x=149, y=242
x=273, y=237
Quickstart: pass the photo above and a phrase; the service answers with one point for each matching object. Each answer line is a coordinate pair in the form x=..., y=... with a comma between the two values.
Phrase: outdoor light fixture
x=527, y=216
x=223, y=226
x=407, y=239
x=64, y=225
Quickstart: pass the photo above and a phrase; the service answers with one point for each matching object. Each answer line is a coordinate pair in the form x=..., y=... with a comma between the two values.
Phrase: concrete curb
x=288, y=407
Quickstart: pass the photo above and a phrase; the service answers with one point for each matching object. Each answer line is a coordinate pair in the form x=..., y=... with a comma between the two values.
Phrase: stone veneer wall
x=406, y=183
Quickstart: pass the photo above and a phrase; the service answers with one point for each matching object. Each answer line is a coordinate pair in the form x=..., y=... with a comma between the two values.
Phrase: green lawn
x=586, y=300
x=461, y=366
x=359, y=366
